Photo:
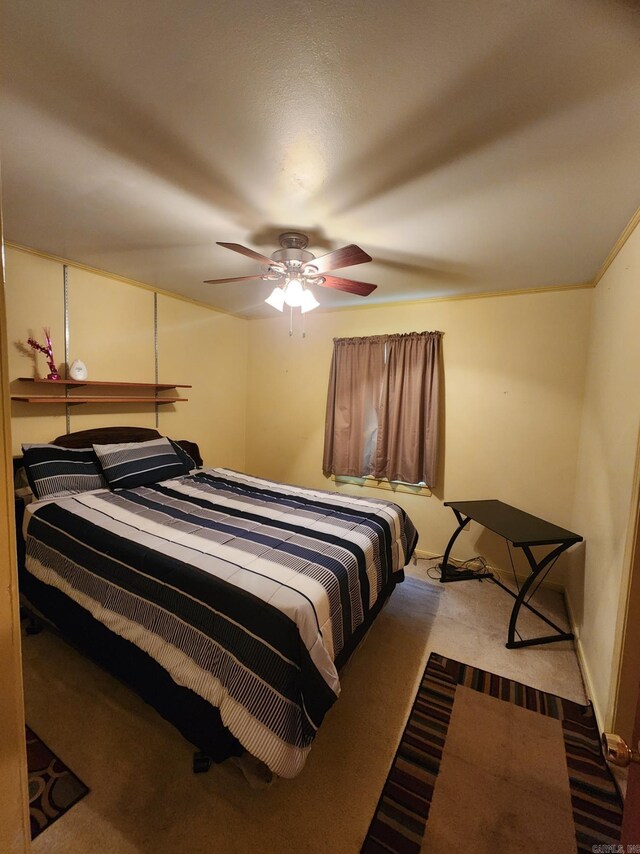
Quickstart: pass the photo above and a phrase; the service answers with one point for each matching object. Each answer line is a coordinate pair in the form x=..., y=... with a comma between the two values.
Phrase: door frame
x=15, y=834
x=624, y=689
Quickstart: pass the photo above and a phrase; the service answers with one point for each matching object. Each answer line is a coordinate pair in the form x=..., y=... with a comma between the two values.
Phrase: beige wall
x=605, y=476
x=514, y=375
x=111, y=328
x=34, y=300
x=210, y=350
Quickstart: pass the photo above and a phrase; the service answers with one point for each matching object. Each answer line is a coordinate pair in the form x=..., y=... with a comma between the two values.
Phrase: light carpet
x=144, y=797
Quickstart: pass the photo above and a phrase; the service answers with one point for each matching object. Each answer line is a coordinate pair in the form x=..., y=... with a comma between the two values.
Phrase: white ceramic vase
x=78, y=370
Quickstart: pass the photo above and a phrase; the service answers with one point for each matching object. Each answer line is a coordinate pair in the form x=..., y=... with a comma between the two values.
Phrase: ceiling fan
x=293, y=269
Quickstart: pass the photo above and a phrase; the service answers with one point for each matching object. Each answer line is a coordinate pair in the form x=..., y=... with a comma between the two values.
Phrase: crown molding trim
x=48, y=256
x=617, y=246
x=576, y=286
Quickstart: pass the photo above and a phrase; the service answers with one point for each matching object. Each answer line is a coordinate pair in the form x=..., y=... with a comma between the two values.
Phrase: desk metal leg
x=451, y=573
x=536, y=569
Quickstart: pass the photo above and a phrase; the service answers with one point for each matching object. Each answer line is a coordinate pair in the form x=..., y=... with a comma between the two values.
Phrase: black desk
x=524, y=531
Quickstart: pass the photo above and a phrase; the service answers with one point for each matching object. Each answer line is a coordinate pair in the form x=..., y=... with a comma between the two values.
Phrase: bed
x=228, y=602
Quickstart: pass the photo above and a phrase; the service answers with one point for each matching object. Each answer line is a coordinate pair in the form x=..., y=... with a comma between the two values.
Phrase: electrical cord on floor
x=480, y=570
x=432, y=571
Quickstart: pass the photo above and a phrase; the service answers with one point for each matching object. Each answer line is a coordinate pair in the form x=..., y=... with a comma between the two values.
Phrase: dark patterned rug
x=488, y=764
x=53, y=788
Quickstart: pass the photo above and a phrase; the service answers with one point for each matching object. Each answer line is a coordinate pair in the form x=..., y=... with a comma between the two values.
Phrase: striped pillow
x=54, y=472
x=132, y=464
x=186, y=458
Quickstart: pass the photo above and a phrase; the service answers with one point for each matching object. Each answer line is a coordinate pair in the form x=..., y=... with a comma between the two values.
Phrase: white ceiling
x=467, y=145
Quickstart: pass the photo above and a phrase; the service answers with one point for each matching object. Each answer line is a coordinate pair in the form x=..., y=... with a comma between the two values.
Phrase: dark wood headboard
x=105, y=436
x=113, y=435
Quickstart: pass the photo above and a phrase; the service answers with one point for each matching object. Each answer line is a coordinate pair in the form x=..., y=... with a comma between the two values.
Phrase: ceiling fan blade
x=235, y=279
x=345, y=257
x=243, y=250
x=362, y=289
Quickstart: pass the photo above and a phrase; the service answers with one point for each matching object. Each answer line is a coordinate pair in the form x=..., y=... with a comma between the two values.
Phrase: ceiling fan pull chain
x=290, y=320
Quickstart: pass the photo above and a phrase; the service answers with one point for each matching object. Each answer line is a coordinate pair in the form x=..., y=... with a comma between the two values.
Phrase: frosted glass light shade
x=308, y=302
x=276, y=299
x=293, y=293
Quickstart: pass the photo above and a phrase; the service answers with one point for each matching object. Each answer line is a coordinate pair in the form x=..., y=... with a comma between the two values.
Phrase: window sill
x=375, y=483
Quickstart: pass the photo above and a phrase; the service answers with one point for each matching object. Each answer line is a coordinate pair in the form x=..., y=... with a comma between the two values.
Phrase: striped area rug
x=488, y=764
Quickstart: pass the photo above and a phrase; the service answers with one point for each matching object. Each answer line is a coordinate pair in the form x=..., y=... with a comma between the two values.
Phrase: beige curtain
x=407, y=441
x=353, y=402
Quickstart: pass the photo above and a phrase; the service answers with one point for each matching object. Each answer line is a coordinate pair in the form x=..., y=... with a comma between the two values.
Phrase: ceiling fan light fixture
x=276, y=299
x=293, y=293
x=309, y=302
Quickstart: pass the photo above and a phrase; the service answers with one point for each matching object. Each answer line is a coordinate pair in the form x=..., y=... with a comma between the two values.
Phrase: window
x=383, y=407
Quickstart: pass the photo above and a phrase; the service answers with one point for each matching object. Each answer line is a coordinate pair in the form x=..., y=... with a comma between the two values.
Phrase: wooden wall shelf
x=73, y=399
x=114, y=384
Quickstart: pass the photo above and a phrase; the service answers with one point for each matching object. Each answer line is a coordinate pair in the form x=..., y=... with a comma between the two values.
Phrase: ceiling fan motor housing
x=293, y=240
x=293, y=253
x=297, y=256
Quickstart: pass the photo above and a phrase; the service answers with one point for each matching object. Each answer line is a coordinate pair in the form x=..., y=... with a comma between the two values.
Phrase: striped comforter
x=248, y=592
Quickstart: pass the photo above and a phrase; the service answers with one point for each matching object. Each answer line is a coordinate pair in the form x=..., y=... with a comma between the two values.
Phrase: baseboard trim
x=504, y=574
x=584, y=666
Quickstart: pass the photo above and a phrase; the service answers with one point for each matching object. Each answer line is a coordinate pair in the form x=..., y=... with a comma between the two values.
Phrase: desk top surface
x=520, y=528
